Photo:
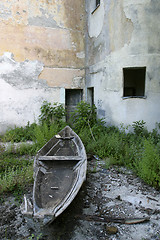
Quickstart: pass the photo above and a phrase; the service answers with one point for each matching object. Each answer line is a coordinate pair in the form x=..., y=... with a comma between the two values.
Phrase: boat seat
x=59, y=158
x=64, y=137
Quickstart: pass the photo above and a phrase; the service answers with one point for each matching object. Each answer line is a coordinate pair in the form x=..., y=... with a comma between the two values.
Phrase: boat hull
x=59, y=171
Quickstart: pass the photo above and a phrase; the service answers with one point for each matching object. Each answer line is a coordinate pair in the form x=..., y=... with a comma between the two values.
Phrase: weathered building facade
x=106, y=52
x=41, y=56
x=123, y=60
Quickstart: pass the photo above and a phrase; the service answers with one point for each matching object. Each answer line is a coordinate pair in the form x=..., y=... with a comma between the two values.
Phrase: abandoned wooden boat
x=59, y=172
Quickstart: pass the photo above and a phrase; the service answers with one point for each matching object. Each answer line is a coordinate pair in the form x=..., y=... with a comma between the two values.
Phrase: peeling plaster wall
x=22, y=93
x=42, y=52
x=127, y=35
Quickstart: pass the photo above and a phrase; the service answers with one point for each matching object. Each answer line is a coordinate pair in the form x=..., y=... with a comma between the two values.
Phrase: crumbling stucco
x=109, y=29
x=67, y=78
x=48, y=31
x=21, y=92
x=129, y=38
x=20, y=75
x=46, y=38
x=120, y=27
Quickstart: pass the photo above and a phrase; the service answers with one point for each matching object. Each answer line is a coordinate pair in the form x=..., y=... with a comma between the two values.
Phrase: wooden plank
x=59, y=158
x=52, y=148
x=96, y=218
x=63, y=137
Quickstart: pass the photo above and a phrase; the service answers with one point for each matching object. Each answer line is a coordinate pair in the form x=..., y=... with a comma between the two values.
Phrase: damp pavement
x=106, y=195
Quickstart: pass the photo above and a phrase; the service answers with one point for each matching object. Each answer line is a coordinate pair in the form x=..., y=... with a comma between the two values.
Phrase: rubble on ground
x=114, y=193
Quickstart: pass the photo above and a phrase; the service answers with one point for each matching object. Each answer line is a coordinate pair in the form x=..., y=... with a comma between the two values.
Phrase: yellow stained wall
x=50, y=31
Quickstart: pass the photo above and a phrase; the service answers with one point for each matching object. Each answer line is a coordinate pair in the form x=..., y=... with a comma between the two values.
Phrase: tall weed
x=44, y=132
x=84, y=115
x=148, y=167
x=19, y=134
x=16, y=177
x=51, y=113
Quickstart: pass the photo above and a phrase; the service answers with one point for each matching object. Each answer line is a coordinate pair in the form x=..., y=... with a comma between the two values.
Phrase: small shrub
x=43, y=133
x=155, y=134
x=51, y=113
x=139, y=128
x=19, y=134
x=84, y=115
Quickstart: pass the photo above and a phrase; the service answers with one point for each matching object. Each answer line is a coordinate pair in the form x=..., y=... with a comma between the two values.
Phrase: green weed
x=15, y=177
x=44, y=132
x=139, y=128
x=84, y=115
x=15, y=173
x=33, y=236
x=139, y=150
x=19, y=134
x=148, y=167
x=51, y=113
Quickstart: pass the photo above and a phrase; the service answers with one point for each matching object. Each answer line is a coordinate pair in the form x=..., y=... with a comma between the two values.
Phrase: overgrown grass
x=16, y=164
x=44, y=132
x=16, y=178
x=19, y=134
x=148, y=167
x=138, y=150
x=15, y=173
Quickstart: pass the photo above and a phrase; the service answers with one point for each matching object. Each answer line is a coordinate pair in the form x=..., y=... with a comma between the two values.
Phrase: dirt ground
x=107, y=196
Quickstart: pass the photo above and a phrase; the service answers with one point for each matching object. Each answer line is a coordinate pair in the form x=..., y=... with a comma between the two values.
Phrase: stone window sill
x=141, y=97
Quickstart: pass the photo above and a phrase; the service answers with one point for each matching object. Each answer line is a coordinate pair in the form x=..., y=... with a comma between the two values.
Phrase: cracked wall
x=127, y=35
x=42, y=53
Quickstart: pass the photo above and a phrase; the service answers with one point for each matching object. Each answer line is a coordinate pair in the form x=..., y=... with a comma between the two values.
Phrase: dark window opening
x=90, y=95
x=97, y=4
x=72, y=98
x=134, y=82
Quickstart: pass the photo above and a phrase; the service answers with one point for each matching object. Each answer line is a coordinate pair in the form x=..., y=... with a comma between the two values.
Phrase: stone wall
x=121, y=35
x=41, y=55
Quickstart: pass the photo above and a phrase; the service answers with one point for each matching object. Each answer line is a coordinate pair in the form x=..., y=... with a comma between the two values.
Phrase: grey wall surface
x=123, y=34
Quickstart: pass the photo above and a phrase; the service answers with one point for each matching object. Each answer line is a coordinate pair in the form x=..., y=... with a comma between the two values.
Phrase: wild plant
x=33, y=236
x=42, y=133
x=19, y=134
x=15, y=177
x=148, y=167
x=139, y=128
x=51, y=113
x=84, y=115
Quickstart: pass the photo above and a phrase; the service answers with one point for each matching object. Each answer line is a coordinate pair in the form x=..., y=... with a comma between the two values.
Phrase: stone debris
x=111, y=230
x=114, y=193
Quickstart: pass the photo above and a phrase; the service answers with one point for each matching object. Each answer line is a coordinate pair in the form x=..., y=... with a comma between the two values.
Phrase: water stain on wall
x=120, y=27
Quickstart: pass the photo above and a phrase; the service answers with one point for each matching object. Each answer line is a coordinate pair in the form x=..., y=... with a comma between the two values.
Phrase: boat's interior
x=56, y=174
x=63, y=144
x=54, y=182
x=63, y=147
